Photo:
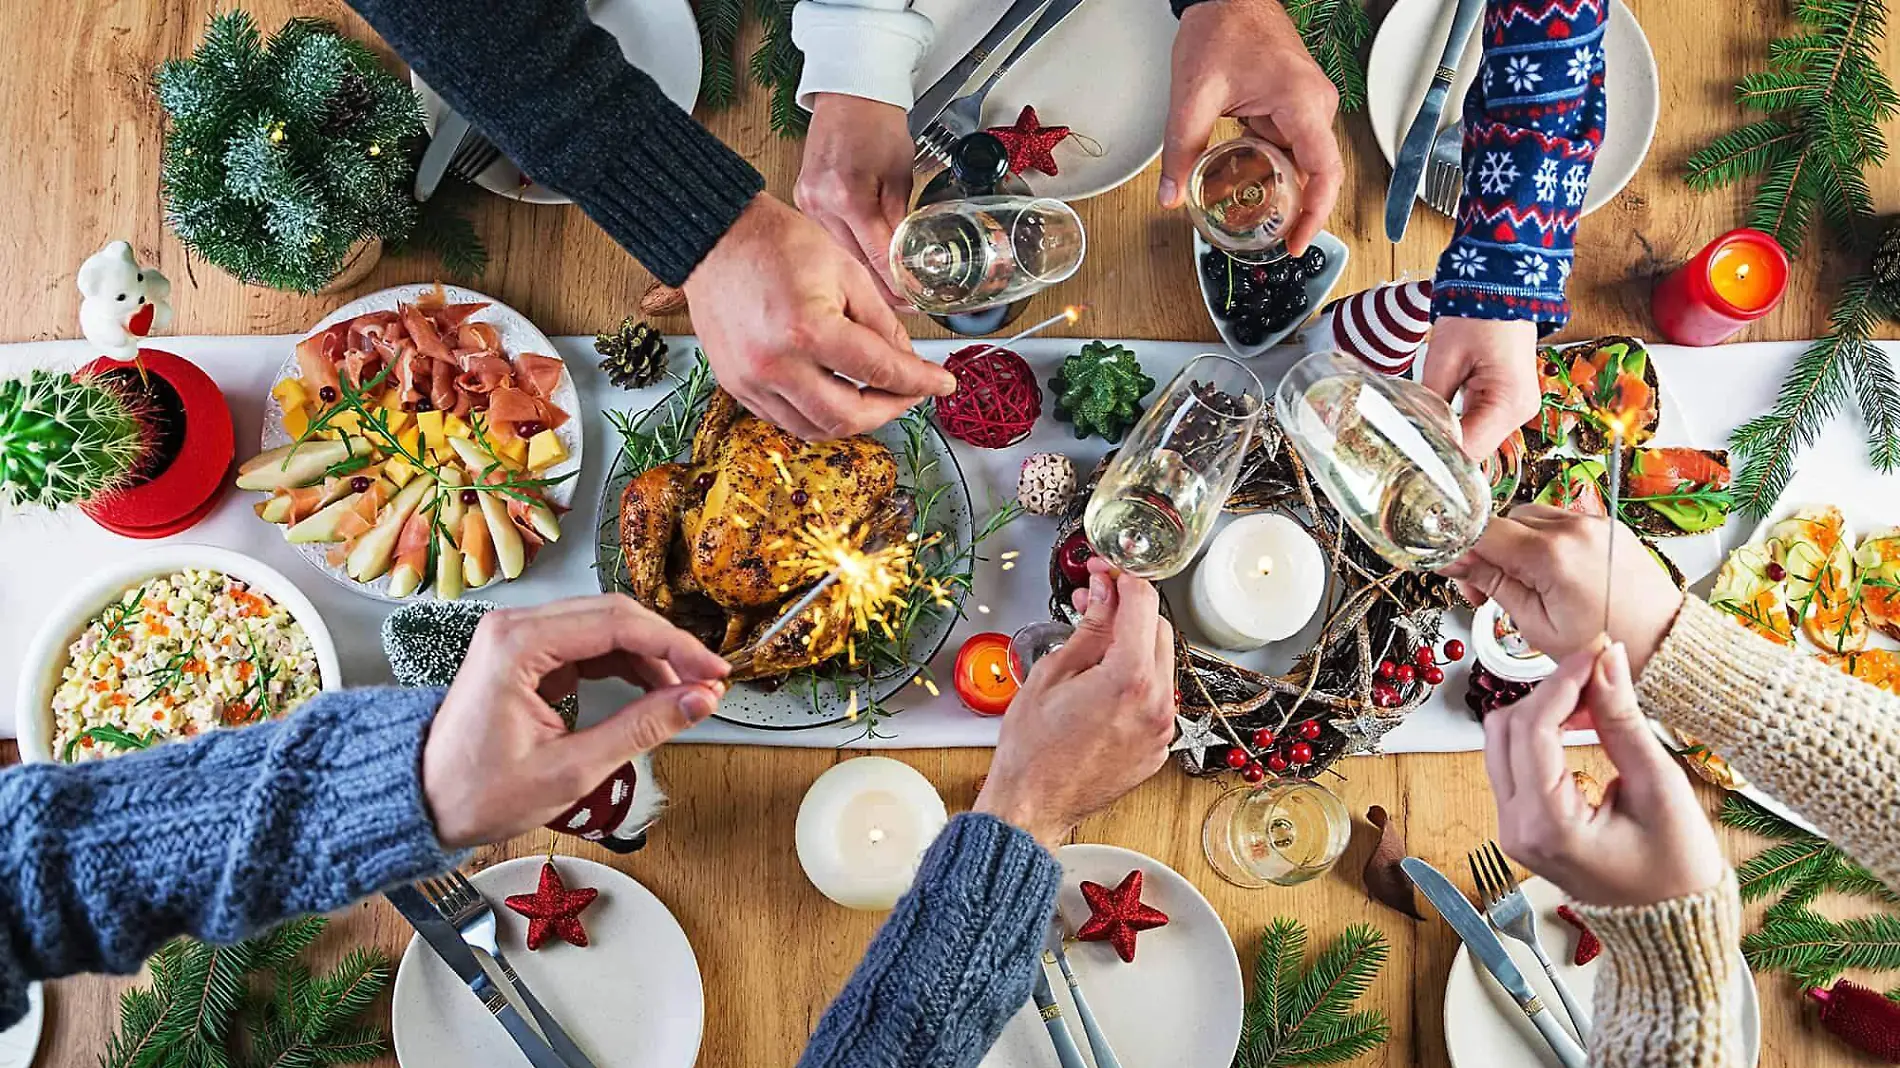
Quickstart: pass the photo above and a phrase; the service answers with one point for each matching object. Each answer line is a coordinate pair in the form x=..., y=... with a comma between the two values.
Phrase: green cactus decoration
x=1099, y=390
x=65, y=439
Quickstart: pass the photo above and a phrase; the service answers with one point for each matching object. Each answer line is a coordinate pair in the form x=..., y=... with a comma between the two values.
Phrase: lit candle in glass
x=1738, y=278
x=982, y=677
x=1261, y=580
x=862, y=830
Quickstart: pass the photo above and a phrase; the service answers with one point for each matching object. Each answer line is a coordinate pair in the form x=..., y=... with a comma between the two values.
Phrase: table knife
x=931, y=103
x=450, y=129
x=1485, y=947
x=1066, y=1052
x=447, y=943
x=1408, y=167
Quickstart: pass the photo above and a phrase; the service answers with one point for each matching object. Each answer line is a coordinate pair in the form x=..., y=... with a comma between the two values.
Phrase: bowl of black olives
x=1256, y=305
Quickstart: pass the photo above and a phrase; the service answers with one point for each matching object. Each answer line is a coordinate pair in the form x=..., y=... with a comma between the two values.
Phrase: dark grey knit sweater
x=552, y=90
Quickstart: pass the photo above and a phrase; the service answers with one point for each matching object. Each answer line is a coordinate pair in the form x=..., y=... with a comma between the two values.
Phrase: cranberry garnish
x=1775, y=571
x=800, y=498
x=470, y=497
x=327, y=394
x=704, y=481
x=359, y=484
x=528, y=429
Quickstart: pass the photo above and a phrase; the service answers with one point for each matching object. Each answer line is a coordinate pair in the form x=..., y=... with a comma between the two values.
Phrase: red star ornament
x=553, y=909
x=1116, y=916
x=1030, y=143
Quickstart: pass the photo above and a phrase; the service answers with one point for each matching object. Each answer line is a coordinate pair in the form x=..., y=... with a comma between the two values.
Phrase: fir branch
x=1334, y=32
x=444, y=229
x=1300, y=1018
x=1741, y=153
x=719, y=22
x=1777, y=867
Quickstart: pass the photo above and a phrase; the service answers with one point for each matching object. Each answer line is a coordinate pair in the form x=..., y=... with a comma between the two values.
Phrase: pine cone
x=633, y=356
x=348, y=107
x=1887, y=268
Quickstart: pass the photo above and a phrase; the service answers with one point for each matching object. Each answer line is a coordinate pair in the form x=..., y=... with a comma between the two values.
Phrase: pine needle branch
x=1302, y=1017
x=1334, y=32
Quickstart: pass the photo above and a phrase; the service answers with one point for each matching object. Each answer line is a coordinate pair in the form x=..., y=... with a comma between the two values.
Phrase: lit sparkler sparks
x=1068, y=315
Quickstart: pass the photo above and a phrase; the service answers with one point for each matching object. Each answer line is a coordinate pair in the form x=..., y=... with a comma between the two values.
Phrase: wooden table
x=84, y=133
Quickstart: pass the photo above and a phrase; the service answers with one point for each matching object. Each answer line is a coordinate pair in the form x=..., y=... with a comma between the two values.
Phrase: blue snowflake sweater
x=1533, y=123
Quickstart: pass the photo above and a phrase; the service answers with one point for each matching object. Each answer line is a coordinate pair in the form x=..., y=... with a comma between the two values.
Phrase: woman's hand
x=1494, y=362
x=855, y=179
x=1545, y=566
x=499, y=761
x=1095, y=718
x=1648, y=842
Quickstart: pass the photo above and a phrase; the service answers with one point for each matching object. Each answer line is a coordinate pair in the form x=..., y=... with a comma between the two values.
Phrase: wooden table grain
x=83, y=135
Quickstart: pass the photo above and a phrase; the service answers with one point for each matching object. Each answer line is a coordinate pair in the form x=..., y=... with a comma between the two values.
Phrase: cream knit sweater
x=1826, y=743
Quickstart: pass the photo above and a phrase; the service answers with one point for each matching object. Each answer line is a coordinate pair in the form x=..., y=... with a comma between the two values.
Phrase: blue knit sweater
x=226, y=835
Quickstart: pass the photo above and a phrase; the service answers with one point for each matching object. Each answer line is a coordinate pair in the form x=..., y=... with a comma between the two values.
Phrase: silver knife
x=1066, y=1052
x=447, y=943
x=947, y=88
x=1408, y=167
x=1484, y=945
x=450, y=129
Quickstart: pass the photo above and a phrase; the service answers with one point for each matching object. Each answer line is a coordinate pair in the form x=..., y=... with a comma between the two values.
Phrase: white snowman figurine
x=122, y=303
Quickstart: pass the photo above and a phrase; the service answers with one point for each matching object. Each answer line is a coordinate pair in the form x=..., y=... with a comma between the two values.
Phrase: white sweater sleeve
x=867, y=48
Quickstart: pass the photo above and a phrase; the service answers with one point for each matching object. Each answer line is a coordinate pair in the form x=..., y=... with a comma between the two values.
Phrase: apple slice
x=325, y=525
x=280, y=469
x=510, y=553
x=448, y=569
x=478, y=550
x=374, y=551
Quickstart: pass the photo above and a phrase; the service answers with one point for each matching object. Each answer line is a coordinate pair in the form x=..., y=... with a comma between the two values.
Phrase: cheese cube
x=411, y=440
x=296, y=422
x=398, y=471
x=392, y=399
x=397, y=419
x=512, y=451
x=453, y=427
x=291, y=394
x=545, y=450
x=430, y=424
x=347, y=422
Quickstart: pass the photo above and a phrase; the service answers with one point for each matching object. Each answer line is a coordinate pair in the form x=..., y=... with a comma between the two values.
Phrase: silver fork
x=1510, y=912
x=1444, y=174
x=474, y=155
x=964, y=115
x=464, y=907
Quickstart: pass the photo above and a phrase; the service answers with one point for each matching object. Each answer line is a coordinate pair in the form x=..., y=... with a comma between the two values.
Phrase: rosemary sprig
x=170, y=672
x=672, y=421
x=121, y=614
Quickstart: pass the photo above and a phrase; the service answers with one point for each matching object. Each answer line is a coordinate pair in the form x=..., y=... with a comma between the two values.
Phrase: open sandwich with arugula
x=1586, y=385
x=1667, y=492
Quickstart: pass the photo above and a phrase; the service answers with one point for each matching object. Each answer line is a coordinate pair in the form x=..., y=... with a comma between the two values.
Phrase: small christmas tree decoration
x=72, y=439
x=1099, y=390
x=1031, y=145
x=1886, y=269
x=1117, y=915
x=1587, y=944
x=633, y=355
x=1046, y=484
x=996, y=402
x=120, y=301
x=1383, y=326
x=553, y=911
x=1865, y=1020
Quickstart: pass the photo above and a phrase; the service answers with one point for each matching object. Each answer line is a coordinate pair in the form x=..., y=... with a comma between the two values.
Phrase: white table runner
x=1717, y=388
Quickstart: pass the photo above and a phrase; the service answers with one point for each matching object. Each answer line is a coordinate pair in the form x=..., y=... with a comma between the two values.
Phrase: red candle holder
x=981, y=676
x=1735, y=280
x=189, y=486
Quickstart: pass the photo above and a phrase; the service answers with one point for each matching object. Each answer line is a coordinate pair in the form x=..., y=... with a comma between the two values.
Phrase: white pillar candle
x=1260, y=581
x=863, y=828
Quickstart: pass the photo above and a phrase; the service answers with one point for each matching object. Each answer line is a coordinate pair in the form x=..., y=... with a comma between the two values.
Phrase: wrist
x=1022, y=814
x=1643, y=645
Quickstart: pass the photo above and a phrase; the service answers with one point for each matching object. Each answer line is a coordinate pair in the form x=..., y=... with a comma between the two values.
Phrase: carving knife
x=1485, y=947
x=933, y=100
x=447, y=943
x=1408, y=167
x=451, y=129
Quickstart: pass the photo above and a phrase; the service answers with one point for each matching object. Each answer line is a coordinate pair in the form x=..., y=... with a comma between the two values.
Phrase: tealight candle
x=1261, y=580
x=862, y=830
x=1738, y=278
x=982, y=677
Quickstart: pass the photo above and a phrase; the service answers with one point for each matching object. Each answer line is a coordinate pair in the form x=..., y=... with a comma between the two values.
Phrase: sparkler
x=1620, y=415
x=1067, y=315
x=874, y=578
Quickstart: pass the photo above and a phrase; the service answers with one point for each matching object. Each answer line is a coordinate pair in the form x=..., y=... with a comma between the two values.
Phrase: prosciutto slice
x=317, y=357
x=540, y=375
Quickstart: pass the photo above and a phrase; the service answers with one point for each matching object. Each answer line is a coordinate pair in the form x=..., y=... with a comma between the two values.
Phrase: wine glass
x=1158, y=498
x=1033, y=642
x=980, y=252
x=1281, y=833
x=1385, y=452
x=1242, y=196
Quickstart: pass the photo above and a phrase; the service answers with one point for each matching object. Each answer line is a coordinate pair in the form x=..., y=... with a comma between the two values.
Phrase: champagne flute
x=1243, y=196
x=1158, y=498
x=966, y=255
x=1385, y=452
x=1281, y=833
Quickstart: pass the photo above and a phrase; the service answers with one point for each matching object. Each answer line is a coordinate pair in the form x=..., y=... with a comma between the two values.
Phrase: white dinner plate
x=631, y=998
x=658, y=36
x=1178, y=1004
x=517, y=334
x=1104, y=73
x=20, y=1042
x=1406, y=52
x=1484, y=1028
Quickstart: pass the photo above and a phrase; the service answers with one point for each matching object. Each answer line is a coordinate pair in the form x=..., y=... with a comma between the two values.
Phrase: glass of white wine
x=1034, y=641
x=966, y=255
x=1242, y=196
x=1281, y=833
x=1385, y=451
x=1158, y=499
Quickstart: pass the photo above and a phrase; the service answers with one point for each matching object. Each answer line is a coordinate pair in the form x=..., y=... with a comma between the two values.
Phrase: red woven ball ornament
x=996, y=402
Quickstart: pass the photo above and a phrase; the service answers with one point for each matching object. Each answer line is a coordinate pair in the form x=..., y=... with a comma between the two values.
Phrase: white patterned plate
x=20, y=1042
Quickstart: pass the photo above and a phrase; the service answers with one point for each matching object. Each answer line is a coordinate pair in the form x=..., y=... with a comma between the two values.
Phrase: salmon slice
x=1661, y=472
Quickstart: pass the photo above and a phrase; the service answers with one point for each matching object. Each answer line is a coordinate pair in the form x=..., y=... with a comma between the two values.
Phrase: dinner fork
x=474, y=155
x=1444, y=173
x=471, y=915
x=1510, y=912
x=964, y=115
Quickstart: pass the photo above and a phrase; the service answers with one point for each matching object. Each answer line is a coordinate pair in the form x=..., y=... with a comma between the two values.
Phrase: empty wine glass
x=966, y=255
x=1158, y=498
x=1242, y=196
x=1033, y=642
x=1385, y=452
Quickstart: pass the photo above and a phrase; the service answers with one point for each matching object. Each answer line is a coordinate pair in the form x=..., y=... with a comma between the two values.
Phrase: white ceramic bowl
x=1318, y=288
x=39, y=676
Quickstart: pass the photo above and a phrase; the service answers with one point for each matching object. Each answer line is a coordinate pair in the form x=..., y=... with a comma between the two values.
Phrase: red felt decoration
x=1587, y=945
x=553, y=909
x=1030, y=144
x=1116, y=916
x=996, y=402
x=1861, y=1018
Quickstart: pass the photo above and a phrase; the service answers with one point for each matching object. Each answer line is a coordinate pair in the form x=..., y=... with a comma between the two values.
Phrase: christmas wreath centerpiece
x=289, y=161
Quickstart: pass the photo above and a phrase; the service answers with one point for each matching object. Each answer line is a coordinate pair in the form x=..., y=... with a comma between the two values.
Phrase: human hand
x=855, y=178
x=1546, y=567
x=498, y=760
x=1095, y=717
x=782, y=312
x=1245, y=59
x=1495, y=362
x=1648, y=842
